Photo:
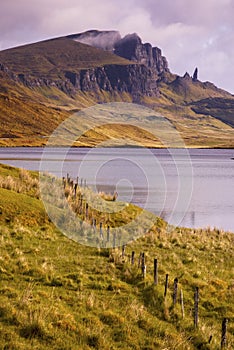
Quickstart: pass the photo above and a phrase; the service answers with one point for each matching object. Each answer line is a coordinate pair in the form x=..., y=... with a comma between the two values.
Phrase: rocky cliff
x=129, y=47
x=97, y=61
x=132, y=48
x=42, y=83
x=134, y=79
x=137, y=79
x=60, y=63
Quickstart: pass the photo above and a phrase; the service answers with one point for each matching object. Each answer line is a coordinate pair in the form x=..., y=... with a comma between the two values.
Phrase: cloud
x=190, y=33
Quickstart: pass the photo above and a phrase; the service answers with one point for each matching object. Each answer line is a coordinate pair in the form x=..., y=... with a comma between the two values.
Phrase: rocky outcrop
x=129, y=47
x=141, y=77
x=3, y=68
x=185, y=77
x=7, y=72
x=132, y=48
x=134, y=79
x=137, y=78
x=33, y=82
x=195, y=75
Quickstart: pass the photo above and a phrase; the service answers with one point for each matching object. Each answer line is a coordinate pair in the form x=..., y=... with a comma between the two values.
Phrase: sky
x=190, y=33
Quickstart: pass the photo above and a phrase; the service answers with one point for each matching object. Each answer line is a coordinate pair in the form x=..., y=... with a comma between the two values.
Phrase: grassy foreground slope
x=58, y=294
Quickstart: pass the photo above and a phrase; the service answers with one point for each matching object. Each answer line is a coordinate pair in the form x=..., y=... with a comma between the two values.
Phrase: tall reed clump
x=25, y=183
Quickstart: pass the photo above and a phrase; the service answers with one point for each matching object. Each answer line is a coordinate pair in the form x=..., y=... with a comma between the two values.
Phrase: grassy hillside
x=220, y=108
x=202, y=113
x=58, y=294
x=48, y=59
x=29, y=116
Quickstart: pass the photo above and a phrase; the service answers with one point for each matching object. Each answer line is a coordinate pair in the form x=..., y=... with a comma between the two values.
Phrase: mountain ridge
x=61, y=75
x=76, y=67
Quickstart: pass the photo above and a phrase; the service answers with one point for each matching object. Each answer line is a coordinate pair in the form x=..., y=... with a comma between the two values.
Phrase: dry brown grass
x=24, y=184
x=108, y=196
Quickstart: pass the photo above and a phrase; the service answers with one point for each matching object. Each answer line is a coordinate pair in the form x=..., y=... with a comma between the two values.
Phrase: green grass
x=58, y=294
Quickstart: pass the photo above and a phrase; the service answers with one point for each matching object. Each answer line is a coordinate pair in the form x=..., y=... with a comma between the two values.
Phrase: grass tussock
x=24, y=183
x=108, y=196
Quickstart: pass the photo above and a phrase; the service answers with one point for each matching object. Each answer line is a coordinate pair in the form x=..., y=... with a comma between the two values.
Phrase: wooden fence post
x=101, y=233
x=123, y=251
x=81, y=183
x=64, y=182
x=224, y=333
x=75, y=189
x=108, y=234
x=166, y=285
x=175, y=290
x=143, y=265
x=155, y=271
x=196, y=306
x=182, y=302
x=86, y=211
x=133, y=258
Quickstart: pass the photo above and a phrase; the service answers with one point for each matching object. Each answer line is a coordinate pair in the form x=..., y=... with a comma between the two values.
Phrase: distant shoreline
x=126, y=147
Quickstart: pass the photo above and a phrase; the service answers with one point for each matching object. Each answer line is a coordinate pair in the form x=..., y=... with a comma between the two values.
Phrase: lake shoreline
x=118, y=147
x=210, y=185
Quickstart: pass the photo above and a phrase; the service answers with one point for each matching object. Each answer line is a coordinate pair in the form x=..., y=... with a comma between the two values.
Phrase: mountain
x=43, y=83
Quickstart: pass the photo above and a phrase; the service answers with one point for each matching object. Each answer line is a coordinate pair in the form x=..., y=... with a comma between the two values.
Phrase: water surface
x=196, y=187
